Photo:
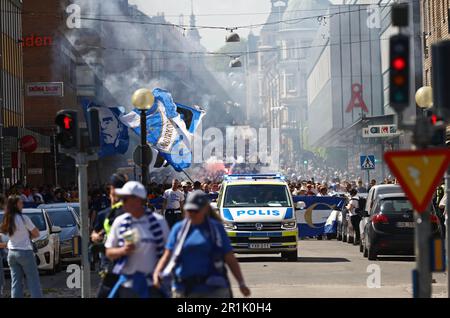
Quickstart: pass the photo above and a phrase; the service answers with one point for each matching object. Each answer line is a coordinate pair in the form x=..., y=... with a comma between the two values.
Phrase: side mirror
x=56, y=229
x=300, y=205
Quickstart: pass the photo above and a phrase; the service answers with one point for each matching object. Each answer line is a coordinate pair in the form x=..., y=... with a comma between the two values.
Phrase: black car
x=390, y=230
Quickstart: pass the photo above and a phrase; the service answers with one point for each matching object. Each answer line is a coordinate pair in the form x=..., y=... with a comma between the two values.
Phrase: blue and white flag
x=170, y=128
x=319, y=215
x=114, y=134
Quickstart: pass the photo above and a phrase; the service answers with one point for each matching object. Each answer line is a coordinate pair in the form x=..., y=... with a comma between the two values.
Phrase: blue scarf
x=139, y=279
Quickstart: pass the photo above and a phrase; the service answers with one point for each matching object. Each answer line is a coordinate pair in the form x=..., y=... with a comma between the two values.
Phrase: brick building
x=49, y=64
x=435, y=24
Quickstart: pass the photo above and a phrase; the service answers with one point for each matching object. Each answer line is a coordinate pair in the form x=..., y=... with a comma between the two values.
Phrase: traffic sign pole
x=82, y=164
x=422, y=251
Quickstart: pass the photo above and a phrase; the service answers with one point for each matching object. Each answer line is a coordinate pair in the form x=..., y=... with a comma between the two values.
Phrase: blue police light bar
x=254, y=176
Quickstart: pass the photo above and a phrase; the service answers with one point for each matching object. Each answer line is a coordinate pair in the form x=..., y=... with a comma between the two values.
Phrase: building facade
x=11, y=98
x=436, y=27
x=283, y=71
x=344, y=83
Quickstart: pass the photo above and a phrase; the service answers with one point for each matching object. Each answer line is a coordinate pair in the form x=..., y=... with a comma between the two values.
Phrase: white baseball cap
x=133, y=188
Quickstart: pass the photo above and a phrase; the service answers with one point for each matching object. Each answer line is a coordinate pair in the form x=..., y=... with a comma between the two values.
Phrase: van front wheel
x=290, y=256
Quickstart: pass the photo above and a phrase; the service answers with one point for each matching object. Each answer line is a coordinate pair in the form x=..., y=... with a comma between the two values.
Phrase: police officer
x=102, y=227
x=173, y=204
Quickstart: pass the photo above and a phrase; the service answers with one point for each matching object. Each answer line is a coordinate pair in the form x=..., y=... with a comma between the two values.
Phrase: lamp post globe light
x=424, y=97
x=143, y=100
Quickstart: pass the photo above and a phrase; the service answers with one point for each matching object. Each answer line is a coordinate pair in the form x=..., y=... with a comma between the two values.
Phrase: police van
x=259, y=214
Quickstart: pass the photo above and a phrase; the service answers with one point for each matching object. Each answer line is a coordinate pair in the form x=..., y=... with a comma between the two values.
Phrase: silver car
x=67, y=220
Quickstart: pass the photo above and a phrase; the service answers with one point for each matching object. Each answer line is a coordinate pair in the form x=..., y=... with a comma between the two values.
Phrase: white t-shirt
x=144, y=258
x=354, y=204
x=174, y=198
x=20, y=240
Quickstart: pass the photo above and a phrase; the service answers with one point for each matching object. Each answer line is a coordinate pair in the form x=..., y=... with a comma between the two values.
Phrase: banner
x=319, y=216
x=114, y=134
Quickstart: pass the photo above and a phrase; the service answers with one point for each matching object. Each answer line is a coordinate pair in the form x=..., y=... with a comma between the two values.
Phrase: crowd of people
x=177, y=249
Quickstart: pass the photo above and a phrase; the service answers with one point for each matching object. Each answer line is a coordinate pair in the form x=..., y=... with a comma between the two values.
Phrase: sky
x=227, y=13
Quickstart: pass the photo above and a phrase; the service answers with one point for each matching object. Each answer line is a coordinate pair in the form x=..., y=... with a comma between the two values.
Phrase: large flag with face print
x=114, y=135
x=170, y=128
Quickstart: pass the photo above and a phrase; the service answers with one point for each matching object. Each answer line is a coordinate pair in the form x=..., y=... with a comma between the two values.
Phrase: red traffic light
x=67, y=122
x=434, y=119
x=399, y=64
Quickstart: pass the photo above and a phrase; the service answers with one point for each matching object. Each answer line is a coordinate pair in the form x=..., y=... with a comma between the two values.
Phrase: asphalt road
x=324, y=269
x=330, y=269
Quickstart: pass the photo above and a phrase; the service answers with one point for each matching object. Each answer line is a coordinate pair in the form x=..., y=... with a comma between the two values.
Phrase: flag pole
x=187, y=175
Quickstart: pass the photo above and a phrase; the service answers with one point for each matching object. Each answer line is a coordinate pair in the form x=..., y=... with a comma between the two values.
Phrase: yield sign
x=419, y=173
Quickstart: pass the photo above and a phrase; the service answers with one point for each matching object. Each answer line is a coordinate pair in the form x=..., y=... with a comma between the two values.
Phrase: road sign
x=137, y=155
x=367, y=162
x=380, y=131
x=419, y=173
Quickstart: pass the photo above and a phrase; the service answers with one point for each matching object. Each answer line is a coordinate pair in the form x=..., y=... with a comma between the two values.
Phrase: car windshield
x=62, y=218
x=395, y=206
x=256, y=196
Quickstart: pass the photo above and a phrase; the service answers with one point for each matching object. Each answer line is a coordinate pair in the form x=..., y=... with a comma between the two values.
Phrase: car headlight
x=288, y=225
x=229, y=226
x=41, y=243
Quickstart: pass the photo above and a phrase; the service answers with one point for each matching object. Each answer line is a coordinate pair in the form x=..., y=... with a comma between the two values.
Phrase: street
x=325, y=269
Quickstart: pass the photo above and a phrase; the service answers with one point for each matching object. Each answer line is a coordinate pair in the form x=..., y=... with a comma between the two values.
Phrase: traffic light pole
x=422, y=276
x=82, y=165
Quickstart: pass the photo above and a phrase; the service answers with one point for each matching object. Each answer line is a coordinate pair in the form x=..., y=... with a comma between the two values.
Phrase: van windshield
x=263, y=195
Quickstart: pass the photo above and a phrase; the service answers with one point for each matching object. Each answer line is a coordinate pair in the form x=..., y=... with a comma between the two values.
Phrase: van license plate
x=258, y=245
x=408, y=225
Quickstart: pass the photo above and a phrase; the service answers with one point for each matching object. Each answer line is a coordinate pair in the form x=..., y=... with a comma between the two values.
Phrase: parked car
x=66, y=219
x=373, y=194
x=390, y=230
x=346, y=233
x=48, y=257
x=75, y=206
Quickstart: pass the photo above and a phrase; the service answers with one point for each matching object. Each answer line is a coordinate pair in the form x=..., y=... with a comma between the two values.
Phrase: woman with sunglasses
x=196, y=254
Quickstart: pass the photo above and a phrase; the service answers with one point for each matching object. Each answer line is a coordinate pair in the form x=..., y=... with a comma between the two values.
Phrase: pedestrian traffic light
x=68, y=134
x=438, y=134
x=399, y=72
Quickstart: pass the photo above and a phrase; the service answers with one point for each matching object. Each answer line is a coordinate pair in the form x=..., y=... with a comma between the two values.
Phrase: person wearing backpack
x=354, y=211
x=196, y=254
x=22, y=262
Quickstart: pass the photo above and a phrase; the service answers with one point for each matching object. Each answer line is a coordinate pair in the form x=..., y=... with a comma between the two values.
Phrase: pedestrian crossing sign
x=367, y=162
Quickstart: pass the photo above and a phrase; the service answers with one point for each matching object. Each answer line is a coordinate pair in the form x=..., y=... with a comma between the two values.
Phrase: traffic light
x=441, y=79
x=68, y=133
x=399, y=72
x=93, y=122
x=438, y=134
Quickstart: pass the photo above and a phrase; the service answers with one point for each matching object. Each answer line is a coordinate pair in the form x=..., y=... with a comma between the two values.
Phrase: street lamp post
x=143, y=100
x=144, y=163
